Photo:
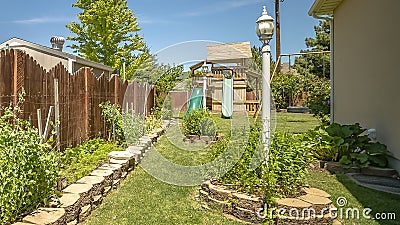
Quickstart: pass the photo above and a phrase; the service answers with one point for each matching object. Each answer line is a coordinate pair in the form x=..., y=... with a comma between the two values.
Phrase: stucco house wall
x=365, y=73
x=366, y=80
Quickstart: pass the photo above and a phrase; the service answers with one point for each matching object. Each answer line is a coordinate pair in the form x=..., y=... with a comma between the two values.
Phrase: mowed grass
x=295, y=122
x=144, y=200
x=360, y=198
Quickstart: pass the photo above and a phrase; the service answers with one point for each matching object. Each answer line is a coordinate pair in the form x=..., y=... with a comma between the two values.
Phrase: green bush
x=199, y=122
x=287, y=168
x=166, y=111
x=318, y=99
x=287, y=165
x=133, y=127
x=152, y=123
x=80, y=161
x=285, y=88
x=28, y=170
x=123, y=127
x=346, y=144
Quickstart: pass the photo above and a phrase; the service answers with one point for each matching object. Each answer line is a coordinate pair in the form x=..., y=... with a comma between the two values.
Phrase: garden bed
x=202, y=139
x=240, y=205
x=252, y=208
x=82, y=197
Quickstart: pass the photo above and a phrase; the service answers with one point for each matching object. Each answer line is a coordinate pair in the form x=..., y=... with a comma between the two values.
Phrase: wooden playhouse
x=229, y=60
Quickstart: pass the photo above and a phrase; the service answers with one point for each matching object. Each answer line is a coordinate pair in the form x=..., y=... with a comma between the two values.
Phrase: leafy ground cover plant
x=318, y=99
x=152, y=122
x=286, y=170
x=124, y=127
x=80, y=161
x=28, y=169
x=346, y=144
x=199, y=122
x=288, y=87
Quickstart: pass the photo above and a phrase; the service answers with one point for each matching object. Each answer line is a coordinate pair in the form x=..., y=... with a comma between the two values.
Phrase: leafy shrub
x=152, y=122
x=318, y=99
x=324, y=146
x=166, y=111
x=199, y=122
x=28, y=170
x=287, y=167
x=240, y=174
x=285, y=88
x=346, y=144
x=80, y=161
x=123, y=127
x=133, y=127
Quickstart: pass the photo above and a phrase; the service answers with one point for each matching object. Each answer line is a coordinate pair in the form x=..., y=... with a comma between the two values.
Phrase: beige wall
x=48, y=61
x=96, y=71
x=44, y=59
x=367, y=69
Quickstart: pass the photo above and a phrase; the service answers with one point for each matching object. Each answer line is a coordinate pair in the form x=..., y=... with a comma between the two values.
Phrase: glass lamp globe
x=265, y=27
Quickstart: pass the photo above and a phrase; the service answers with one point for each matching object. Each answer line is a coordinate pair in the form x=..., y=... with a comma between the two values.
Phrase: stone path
x=385, y=184
x=81, y=198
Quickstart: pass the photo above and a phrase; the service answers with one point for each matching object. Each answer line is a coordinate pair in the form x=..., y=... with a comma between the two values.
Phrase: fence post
x=115, y=89
x=57, y=114
x=46, y=129
x=15, y=80
x=39, y=118
x=86, y=104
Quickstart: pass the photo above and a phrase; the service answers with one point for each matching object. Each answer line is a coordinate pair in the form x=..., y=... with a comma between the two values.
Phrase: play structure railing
x=238, y=72
x=252, y=106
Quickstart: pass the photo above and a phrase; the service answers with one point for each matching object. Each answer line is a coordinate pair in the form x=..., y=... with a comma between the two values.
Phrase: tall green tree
x=316, y=64
x=107, y=33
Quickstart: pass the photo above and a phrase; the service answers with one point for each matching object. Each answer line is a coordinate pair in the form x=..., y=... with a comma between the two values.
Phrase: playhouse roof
x=228, y=53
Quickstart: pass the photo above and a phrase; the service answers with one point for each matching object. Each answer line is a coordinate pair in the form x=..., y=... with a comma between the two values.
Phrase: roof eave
x=323, y=8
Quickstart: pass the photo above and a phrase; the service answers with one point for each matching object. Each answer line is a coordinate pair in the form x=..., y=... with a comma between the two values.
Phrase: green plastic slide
x=195, y=101
x=227, y=97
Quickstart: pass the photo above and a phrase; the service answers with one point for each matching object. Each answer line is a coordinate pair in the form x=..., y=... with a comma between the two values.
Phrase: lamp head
x=265, y=27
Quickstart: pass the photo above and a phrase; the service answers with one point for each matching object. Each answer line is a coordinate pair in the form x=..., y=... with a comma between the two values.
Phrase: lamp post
x=205, y=71
x=265, y=30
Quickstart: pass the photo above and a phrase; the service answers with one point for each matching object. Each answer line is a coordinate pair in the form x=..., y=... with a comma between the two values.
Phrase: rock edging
x=251, y=209
x=81, y=198
x=242, y=206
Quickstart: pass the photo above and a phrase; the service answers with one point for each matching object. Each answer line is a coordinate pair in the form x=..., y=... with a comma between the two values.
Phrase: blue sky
x=166, y=23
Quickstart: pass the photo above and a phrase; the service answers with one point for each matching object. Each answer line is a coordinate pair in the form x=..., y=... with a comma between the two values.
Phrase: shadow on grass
x=383, y=205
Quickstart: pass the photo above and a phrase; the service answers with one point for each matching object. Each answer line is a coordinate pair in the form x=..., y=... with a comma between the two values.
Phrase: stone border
x=247, y=208
x=242, y=206
x=202, y=139
x=81, y=198
x=334, y=168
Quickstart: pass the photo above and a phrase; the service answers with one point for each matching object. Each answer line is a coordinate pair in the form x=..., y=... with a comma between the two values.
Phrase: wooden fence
x=79, y=96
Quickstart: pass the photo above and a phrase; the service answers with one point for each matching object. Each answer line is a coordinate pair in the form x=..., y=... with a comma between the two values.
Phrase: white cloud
x=220, y=6
x=142, y=19
x=42, y=20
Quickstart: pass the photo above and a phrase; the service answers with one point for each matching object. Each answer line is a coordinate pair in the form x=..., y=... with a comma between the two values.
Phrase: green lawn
x=142, y=199
x=295, y=122
x=357, y=197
